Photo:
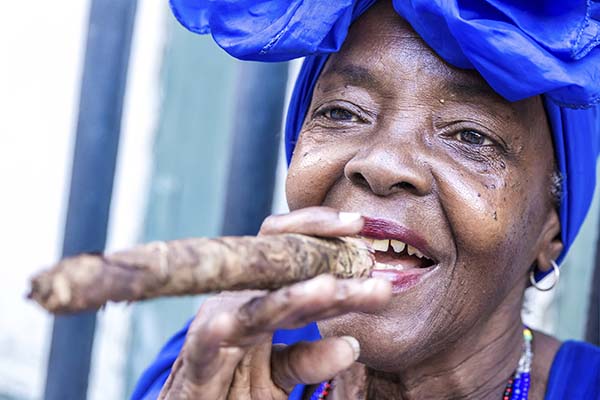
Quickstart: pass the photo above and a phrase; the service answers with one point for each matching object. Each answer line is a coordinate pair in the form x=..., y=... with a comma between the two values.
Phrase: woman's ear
x=550, y=245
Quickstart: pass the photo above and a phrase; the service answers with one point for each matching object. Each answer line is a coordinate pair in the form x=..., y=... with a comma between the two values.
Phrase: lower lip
x=401, y=280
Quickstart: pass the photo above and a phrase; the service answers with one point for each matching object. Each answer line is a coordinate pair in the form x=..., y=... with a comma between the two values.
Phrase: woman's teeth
x=398, y=267
x=398, y=246
x=383, y=245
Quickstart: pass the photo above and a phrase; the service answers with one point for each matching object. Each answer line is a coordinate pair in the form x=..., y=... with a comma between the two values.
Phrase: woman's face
x=395, y=133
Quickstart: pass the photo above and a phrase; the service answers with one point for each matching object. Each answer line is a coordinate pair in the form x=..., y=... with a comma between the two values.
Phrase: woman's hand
x=228, y=353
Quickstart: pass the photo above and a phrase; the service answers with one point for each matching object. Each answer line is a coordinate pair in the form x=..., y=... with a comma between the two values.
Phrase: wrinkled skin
x=394, y=132
x=389, y=134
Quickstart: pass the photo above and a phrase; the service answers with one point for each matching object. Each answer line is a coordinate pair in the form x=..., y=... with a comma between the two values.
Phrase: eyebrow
x=473, y=88
x=355, y=75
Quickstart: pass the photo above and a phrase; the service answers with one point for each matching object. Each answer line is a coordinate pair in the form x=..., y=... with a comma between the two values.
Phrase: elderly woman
x=460, y=141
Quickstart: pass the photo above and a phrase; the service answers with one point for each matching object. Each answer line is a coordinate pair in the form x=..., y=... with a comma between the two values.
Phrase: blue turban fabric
x=521, y=48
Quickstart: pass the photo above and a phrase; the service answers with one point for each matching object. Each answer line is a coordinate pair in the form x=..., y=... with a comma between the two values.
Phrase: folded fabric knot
x=553, y=41
x=266, y=30
x=521, y=48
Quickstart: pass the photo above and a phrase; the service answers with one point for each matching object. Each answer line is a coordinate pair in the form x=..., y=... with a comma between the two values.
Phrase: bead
x=517, y=386
x=322, y=391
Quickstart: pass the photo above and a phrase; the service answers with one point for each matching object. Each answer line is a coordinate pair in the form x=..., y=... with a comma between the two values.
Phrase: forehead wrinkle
x=355, y=75
x=394, y=59
x=381, y=32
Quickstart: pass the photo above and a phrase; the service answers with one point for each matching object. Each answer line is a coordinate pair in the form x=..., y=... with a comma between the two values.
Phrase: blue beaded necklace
x=517, y=387
x=322, y=391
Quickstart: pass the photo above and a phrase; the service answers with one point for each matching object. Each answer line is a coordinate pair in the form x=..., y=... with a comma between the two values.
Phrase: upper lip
x=378, y=228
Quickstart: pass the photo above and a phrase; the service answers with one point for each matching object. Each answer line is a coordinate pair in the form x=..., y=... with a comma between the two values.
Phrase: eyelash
x=488, y=142
x=324, y=111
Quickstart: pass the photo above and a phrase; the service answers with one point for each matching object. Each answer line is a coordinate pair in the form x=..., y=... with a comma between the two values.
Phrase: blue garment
x=575, y=372
x=152, y=380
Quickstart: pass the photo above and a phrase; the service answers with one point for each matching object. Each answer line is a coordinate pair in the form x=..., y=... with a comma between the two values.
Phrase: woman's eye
x=474, y=138
x=340, y=114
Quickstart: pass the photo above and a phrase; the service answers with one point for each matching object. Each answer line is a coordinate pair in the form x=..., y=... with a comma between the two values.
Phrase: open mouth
x=400, y=263
x=397, y=255
x=402, y=256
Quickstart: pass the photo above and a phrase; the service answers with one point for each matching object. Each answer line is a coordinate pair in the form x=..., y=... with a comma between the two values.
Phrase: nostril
x=403, y=185
x=359, y=179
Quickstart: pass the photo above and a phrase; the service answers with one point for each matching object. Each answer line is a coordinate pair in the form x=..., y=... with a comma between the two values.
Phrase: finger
x=315, y=221
x=202, y=369
x=312, y=362
x=316, y=299
x=203, y=355
x=224, y=302
x=253, y=376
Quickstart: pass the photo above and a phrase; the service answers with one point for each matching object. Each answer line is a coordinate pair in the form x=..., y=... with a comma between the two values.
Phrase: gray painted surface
x=256, y=135
x=94, y=160
x=573, y=291
x=189, y=173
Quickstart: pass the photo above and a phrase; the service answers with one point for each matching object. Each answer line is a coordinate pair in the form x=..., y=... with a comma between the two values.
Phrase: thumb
x=312, y=362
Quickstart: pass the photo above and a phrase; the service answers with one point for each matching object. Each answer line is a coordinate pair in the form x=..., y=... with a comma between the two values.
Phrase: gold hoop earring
x=556, y=272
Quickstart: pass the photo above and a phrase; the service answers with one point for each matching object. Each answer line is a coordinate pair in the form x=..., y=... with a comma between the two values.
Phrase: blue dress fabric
x=152, y=380
x=575, y=372
x=521, y=48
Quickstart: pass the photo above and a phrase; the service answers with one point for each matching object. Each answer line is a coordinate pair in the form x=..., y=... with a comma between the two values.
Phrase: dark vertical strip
x=592, y=334
x=96, y=144
x=255, y=143
x=189, y=172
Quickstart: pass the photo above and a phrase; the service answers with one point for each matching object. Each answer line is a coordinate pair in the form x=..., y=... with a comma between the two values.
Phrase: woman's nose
x=384, y=172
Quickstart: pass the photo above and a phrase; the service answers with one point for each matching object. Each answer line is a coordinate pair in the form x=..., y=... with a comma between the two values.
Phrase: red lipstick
x=377, y=228
x=401, y=270
x=401, y=280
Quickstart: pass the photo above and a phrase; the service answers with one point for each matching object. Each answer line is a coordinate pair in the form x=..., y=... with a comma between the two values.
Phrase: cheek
x=492, y=217
x=315, y=167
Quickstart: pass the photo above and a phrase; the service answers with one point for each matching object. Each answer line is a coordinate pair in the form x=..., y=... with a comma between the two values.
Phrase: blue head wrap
x=521, y=48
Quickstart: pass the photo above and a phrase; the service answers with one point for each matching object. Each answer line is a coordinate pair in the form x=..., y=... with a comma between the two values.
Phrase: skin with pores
x=395, y=133
x=391, y=147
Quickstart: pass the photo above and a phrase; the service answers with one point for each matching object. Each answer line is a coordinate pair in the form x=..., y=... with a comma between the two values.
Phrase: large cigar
x=196, y=266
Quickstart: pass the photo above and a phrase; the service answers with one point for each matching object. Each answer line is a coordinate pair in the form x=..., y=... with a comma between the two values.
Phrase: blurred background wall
x=171, y=181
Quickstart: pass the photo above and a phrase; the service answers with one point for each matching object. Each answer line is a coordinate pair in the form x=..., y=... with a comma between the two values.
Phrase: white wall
x=40, y=66
x=42, y=47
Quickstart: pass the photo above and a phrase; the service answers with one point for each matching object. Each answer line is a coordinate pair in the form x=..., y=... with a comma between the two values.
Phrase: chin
x=397, y=337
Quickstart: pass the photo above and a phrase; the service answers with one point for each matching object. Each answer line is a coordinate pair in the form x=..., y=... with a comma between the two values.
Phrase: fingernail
x=348, y=217
x=354, y=344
